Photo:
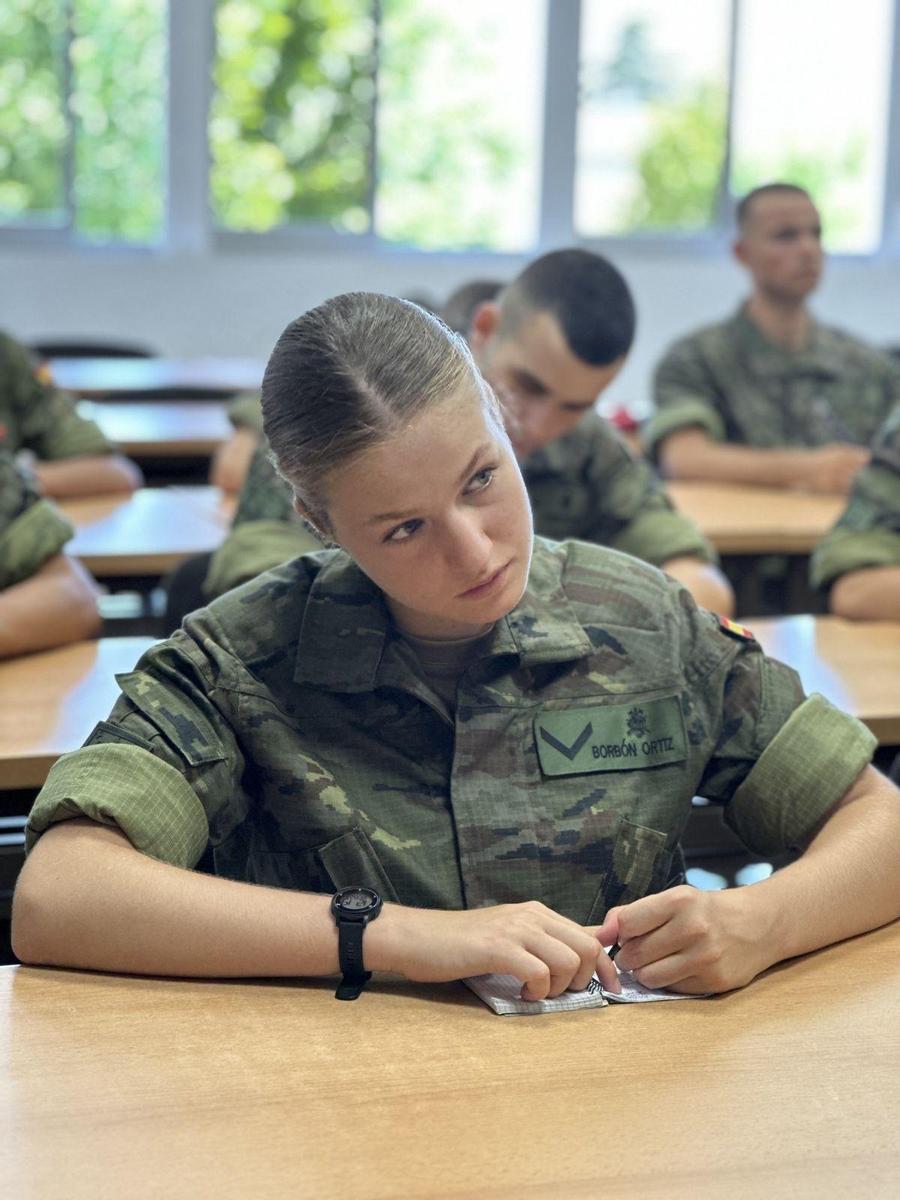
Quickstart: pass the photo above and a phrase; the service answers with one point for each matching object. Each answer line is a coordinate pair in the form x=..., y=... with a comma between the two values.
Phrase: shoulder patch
x=732, y=629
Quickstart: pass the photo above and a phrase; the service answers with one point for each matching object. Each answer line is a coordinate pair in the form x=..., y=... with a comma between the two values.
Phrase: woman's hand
x=547, y=951
x=689, y=940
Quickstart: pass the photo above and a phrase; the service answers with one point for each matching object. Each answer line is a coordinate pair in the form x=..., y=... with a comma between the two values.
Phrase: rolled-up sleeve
x=682, y=397
x=165, y=768
x=779, y=760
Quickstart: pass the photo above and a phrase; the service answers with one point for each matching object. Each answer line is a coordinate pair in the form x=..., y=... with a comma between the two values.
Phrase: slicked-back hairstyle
x=744, y=210
x=347, y=375
x=459, y=307
x=586, y=294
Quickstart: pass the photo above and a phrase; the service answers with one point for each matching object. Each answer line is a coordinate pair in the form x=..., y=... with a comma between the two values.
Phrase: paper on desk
x=503, y=994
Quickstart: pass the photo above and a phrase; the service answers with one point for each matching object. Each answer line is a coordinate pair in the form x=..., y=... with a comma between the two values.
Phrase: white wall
x=237, y=303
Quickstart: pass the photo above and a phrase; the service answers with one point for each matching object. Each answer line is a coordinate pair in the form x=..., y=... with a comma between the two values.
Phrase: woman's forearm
x=847, y=881
x=87, y=898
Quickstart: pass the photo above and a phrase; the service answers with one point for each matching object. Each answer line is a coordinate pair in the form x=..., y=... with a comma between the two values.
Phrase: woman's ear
x=315, y=524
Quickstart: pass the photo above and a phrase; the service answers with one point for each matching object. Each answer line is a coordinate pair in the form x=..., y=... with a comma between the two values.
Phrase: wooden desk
x=161, y=428
x=856, y=664
x=50, y=702
x=103, y=376
x=148, y=533
x=757, y=520
x=114, y=1086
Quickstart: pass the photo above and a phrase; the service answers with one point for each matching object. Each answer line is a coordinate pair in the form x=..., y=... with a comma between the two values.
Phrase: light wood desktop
x=740, y=519
x=161, y=428
x=855, y=664
x=116, y=1086
x=50, y=702
x=148, y=533
x=104, y=376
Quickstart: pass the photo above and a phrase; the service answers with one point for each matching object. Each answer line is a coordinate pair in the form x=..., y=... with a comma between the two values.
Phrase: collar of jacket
x=348, y=642
x=821, y=356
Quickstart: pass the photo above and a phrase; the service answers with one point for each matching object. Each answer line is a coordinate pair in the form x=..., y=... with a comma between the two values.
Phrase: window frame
x=189, y=226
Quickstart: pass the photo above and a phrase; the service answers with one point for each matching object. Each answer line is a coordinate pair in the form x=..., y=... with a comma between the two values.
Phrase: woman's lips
x=489, y=585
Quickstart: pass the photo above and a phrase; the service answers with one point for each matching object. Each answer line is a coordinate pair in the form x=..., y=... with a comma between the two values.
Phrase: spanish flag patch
x=741, y=632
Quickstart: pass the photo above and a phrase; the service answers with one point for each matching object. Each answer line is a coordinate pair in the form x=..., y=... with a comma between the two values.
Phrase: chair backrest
x=84, y=348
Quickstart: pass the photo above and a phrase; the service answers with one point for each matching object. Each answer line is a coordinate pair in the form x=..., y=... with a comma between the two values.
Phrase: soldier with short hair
x=488, y=741
x=46, y=599
x=70, y=455
x=548, y=344
x=858, y=560
x=772, y=396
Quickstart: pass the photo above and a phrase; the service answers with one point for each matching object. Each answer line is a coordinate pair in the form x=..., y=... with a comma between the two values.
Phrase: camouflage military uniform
x=31, y=529
x=868, y=532
x=739, y=387
x=244, y=412
x=290, y=726
x=585, y=485
x=35, y=416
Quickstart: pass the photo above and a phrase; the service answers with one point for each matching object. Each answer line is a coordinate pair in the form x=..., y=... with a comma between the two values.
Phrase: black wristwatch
x=353, y=908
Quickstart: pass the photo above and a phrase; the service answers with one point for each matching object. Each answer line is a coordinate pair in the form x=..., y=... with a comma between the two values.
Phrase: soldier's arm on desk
x=55, y=606
x=87, y=475
x=691, y=453
x=111, y=892
x=845, y=883
x=633, y=514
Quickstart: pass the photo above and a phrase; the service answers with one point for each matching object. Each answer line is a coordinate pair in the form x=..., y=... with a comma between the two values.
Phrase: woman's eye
x=403, y=532
x=481, y=479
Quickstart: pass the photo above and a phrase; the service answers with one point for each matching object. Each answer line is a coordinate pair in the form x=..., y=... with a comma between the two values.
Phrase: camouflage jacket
x=868, y=532
x=290, y=727
x=31, y=529
x=585, y=485
x=740, y=387
x=35, y=416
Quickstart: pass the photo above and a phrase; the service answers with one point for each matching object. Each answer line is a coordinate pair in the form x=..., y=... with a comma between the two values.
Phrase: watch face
x=357, y=900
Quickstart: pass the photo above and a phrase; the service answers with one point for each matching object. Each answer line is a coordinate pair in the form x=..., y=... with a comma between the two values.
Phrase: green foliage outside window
x=290, y=126
x=32, y=122
x=114, y=131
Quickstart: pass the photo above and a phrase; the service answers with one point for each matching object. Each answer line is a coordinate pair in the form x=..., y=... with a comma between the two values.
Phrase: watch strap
x=350, y=956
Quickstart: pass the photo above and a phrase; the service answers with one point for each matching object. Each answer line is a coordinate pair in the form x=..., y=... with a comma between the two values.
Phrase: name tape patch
x=611, y=737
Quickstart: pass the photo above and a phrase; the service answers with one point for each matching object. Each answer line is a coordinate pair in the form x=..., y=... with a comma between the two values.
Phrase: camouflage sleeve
x=166, y=767
x=48, y=418
x=682, y=395
x=254, y=547
x=32, y=531
x=632, y=512
x=245, y=412
x=266, y=529
x=780, y=760
x=867, y=534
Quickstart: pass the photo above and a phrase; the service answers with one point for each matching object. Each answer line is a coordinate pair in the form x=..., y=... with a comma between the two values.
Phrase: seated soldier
x=70, y=455
x=859, y=559
x=231, y=461
x=549, y=345
x=46, y=599
x=771, y=396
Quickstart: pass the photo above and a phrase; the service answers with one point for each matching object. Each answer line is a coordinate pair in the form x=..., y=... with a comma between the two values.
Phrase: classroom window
x=811, y=106
x=653, y=115
x=416, y=119
x=82, y=117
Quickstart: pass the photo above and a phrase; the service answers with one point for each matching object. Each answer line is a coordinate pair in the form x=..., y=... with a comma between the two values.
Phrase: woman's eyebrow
x=411, y=512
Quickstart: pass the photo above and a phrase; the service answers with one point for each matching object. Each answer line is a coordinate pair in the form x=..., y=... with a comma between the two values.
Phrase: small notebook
x=503, y=994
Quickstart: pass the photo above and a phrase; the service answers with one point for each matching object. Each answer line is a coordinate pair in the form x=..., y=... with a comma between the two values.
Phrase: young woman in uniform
x=486, y=744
